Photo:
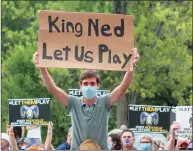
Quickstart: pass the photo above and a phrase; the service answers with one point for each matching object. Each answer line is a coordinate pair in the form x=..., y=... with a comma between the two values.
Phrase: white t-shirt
x=34, y=133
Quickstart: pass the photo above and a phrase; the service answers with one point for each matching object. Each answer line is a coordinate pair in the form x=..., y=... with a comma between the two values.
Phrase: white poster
x=184, y=118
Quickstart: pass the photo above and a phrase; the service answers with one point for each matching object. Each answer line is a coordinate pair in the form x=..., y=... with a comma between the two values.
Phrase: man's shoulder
x=103, y=97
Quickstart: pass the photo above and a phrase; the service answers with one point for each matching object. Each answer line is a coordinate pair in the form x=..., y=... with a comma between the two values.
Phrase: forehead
x=90, y=79
x=127, y=134
x=3, y=140
x=145, y=140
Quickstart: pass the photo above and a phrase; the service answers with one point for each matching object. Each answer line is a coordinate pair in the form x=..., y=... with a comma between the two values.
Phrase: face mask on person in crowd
x=89, y=92
x=127, y=142
x=110, y=145
x=145, y=146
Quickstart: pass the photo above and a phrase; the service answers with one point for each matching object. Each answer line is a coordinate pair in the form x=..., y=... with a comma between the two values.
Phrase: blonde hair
x=89, y=144
x=36, y=147
x=147, y=137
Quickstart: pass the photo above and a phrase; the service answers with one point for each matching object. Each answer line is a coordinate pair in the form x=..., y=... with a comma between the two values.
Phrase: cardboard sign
x=23, y=112
x=146, y=118
x=184, y=118
x=85, y=40
x=78, y=92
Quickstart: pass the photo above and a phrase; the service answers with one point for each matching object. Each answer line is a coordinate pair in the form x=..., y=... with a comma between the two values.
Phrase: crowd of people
x=14, y=139
x=89, y=118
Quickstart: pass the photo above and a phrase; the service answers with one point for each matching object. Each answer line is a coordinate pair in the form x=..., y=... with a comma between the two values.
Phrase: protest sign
x=78, y=92
x=146, y=118
x=85, y=40
x=184, y=118
x=23, y=112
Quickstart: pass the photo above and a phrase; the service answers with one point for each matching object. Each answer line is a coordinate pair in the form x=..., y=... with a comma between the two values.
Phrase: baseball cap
x=5, y=136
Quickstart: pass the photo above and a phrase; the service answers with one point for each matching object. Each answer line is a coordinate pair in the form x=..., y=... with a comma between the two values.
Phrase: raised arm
x=12, y=140
x=58, y=93
x=171, y=142
x=48, y=141
x=22, y=131
x=120, y=89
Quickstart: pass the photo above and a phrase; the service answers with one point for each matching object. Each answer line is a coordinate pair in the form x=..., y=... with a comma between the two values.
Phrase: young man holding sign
x=89, y=113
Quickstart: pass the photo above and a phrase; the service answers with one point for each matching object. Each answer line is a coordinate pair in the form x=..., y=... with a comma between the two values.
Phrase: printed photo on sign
x=23, y=112
x=146, y=118
x=184, y=118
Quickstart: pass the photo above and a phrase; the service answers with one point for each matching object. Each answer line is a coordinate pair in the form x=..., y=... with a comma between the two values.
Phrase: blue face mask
x=89, y=92
x=145, y=146
x=110, y=145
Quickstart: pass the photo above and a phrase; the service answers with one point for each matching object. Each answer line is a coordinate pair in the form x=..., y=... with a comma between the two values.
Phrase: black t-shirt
x=17, y=130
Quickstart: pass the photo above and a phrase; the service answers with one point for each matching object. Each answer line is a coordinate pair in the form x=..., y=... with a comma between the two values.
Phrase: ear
x=80, y=85
x=98, y=86
x=133, y=139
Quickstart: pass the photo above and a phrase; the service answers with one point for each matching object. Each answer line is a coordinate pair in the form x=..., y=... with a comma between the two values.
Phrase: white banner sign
x=78, y=92
x=184, y=118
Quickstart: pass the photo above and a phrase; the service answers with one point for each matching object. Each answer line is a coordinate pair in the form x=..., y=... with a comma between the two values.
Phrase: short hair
x=127, y=130
x=147, y=137
x=90, y=73
x=123, y=127
x=89, y=144
x=116, y=138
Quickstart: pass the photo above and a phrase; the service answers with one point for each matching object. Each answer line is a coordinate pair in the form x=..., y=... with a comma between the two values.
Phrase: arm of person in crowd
x=58, y=93
x=7, y=129
x=48, y=141
x=22, y=131
x=120, y=90
x=174, y=127
x=12, y=140
x=29, y=128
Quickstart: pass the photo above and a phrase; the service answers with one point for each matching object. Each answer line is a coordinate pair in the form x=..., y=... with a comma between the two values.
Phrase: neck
x=128, y=147
x=89, y=102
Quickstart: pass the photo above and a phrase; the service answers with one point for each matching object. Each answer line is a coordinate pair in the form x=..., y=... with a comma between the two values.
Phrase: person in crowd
x=172, y=138
x=158, y=145
x=89, y=144
x=127, y=140
x=190, y=146
x=146, y=142
x=4, y=141
x=66, y=145
x=18, y=131
x=36, y=146
x=90, y=113
x=22, y=143
x=114, y=142
x=12, y=140
x=48, y=142
x=123, y=127
x=33, y=135
x=183, y=144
